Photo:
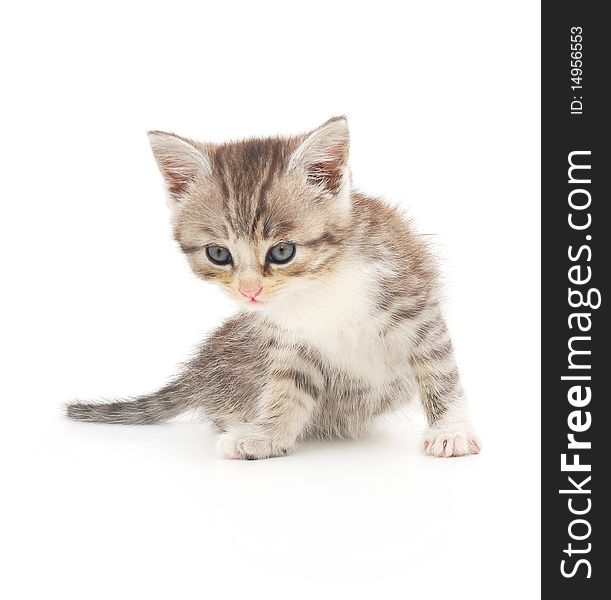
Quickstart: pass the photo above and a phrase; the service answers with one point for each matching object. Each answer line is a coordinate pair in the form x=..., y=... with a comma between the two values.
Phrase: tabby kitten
x=340, y=317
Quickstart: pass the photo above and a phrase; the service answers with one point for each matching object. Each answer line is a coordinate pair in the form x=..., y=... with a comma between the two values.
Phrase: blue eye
x=281, y=253
x=219, y=255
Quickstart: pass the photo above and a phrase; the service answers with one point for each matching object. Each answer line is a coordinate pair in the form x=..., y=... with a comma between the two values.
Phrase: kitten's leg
x=432, y=359
x=283, y=411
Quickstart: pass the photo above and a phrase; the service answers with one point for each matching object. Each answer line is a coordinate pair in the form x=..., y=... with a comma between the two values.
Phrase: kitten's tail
x=168, y=402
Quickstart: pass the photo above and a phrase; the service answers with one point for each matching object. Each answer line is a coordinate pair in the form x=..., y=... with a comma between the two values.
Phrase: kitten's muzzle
x=250, y=292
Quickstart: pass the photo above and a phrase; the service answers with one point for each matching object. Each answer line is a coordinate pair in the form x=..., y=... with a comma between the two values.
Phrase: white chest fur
x=337, y=316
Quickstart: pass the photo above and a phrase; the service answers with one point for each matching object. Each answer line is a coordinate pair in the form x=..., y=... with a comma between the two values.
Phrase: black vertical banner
x=576, y=340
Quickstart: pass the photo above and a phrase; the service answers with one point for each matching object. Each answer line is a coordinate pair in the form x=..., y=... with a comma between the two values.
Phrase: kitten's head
x=264, y=218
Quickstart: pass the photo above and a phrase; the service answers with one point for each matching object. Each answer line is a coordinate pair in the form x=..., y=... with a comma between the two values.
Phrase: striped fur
x=351, y=328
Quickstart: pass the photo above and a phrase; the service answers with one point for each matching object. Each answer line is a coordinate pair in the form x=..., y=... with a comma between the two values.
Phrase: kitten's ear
x=180, y=161
x=323, y=155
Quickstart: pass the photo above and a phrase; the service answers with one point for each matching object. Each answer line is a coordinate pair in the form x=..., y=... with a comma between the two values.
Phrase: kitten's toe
x=443, y=443
x=237, y=446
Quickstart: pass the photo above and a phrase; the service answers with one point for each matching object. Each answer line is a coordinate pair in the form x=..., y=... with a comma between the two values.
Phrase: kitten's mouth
x=252, y=301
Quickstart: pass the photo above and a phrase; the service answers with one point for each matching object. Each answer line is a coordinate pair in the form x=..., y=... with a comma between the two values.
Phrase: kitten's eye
x=281, y=253
x=218, y=254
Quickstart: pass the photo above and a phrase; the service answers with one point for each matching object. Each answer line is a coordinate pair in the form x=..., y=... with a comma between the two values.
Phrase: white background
x=443, y=104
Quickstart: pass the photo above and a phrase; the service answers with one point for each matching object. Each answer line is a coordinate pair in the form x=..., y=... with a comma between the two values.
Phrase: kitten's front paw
x=237, y=445
x=447, y=443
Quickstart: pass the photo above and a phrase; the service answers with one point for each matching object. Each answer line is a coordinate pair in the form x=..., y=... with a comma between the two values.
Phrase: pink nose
x=250, y=293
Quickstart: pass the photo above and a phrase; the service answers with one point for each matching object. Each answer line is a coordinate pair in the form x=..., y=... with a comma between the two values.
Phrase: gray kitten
x=341, y=302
